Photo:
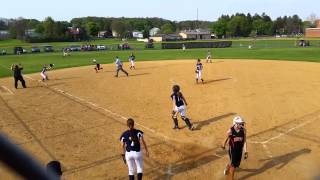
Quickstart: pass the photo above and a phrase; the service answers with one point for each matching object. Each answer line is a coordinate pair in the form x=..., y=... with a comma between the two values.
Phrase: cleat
x=176, y=127
x=191, y=128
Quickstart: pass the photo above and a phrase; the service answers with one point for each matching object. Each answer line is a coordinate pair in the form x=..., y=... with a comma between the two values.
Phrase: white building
x=137, y=34
x=198, y=34
x=154, y=31
x=4, y=34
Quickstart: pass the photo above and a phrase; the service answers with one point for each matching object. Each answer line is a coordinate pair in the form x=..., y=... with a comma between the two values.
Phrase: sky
x=176, y=10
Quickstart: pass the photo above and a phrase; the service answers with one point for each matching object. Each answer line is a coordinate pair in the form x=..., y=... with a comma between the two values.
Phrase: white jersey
x=118, y=62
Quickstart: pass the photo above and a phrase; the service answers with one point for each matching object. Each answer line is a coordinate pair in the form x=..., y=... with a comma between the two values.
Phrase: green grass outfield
x=264, y=49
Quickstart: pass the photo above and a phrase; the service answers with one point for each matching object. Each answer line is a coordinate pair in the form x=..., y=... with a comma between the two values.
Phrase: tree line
x=245, y=25
x=236, y=25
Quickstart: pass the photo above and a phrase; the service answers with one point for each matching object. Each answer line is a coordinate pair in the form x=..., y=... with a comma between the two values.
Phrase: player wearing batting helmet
x=236, y=137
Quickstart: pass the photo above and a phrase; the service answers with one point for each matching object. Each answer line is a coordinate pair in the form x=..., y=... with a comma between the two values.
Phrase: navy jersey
x=132, y=58
x=178, y=99
x=128, y=139
x=17, y=71
x=236, y=141
x=199, y=67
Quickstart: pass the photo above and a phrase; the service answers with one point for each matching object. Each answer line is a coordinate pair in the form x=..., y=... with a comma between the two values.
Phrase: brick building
x=313, y=32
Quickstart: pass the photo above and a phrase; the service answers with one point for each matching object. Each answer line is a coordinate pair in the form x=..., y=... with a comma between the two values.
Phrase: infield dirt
x=78, y=116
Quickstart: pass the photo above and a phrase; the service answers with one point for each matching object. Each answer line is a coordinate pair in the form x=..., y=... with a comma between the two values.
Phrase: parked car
x=48, y=49
x=123, y=46
x=19, y=50
x=88, y=47
x=75, y=48
x=101, y=47
x=35, y=49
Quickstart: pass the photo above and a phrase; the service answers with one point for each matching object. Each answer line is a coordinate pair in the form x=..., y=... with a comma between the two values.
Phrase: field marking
x=284, y=133
x=8, y=90
x=266, y=148
x=123, y=118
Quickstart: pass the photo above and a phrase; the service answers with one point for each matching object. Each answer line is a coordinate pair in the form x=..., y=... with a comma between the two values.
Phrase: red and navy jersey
x=132, y=139
x=199, y=66
x=178, y=99
x=237, y=139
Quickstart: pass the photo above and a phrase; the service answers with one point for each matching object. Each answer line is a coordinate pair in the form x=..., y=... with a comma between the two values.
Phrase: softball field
x=78, y=116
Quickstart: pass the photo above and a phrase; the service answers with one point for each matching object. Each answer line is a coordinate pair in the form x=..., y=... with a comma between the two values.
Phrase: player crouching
x=179, y=106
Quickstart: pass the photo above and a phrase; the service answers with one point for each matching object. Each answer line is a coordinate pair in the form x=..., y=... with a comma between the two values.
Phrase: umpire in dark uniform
x=17, y=75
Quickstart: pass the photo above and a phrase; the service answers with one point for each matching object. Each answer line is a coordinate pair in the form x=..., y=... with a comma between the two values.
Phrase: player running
x=131, y=141
x=132, y=58
x=119, y=67
x=237, y=142
x=179, y=106
x=209, y=56
x=199, y=68
x=98, y=67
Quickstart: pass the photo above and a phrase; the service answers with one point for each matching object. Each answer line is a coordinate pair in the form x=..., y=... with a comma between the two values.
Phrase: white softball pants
x=44, y=75
x=132, y=63
x=133, y=159
x=199, y=75
x=181, y=110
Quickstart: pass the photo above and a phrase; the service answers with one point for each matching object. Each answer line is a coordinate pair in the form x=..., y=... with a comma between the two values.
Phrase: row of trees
x=237, y=25
x=241, y=25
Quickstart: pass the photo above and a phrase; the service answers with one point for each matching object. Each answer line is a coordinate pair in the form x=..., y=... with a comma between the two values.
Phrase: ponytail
x=130, y=124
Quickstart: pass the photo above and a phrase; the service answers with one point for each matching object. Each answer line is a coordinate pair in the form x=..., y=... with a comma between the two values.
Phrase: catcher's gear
x=124, y=158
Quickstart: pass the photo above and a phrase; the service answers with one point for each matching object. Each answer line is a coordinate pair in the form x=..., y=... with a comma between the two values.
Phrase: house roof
x=197, y=31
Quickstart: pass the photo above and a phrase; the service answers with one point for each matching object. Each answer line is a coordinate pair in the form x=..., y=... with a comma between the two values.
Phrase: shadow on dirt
x=279, y=161
x=216, y=80
x=201, y=124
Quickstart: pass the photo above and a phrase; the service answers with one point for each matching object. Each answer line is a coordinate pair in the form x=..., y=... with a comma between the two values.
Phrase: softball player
x=17, y=74
x=237, y=142
x=209, y=56
x=131, y=141
x=199, y=68
x=179, y=106
x=119, y=67
x=98, y=67
x=132, y=58
x=43, y=73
